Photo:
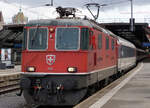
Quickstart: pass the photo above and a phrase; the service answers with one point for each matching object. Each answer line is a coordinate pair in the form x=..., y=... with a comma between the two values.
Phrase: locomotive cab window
x=37, y=38
x=67, y=38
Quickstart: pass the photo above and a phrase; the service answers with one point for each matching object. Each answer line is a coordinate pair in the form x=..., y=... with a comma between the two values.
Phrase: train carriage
x=126, y=55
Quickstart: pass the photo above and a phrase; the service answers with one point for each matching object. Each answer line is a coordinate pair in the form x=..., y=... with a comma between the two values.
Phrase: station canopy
x=11, y=36
x=140, y=35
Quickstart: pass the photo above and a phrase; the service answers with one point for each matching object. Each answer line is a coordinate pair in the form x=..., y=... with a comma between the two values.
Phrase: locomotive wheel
x=106, y=82
x=91, y=90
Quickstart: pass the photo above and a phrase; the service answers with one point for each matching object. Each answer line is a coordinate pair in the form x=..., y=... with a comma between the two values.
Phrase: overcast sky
x=114, y=9
x=77, y=3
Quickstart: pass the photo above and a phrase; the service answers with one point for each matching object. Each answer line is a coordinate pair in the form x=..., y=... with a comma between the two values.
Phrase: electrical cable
x=117, y=2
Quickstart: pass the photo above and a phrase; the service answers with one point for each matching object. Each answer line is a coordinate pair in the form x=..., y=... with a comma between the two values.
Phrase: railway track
x=9, y=83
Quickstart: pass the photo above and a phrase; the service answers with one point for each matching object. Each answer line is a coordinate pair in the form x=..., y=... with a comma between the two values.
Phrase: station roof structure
x=11, y=35
x=140, y=35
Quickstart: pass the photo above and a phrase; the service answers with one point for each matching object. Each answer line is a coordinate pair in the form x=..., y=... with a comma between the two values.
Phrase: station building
x=11, y=36
x=1, y=21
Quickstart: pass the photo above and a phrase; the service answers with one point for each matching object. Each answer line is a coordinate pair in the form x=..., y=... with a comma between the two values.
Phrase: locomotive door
x=100, y=50
x=113, y=52
x=110, y=51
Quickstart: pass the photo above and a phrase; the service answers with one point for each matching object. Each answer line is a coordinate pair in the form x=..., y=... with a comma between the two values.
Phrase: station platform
x=13, y=71
x=9, y=79
x=132, y=92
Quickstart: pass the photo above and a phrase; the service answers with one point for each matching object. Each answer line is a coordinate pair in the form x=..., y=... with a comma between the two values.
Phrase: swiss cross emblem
x=50, y=59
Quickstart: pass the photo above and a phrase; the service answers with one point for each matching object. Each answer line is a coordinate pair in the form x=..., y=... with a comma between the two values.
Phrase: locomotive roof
x=61, y=22
x=76, y=22
x=68, y=22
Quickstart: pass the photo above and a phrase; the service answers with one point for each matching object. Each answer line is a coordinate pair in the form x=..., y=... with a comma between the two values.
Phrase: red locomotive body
x=63, y=58
x=86, y=60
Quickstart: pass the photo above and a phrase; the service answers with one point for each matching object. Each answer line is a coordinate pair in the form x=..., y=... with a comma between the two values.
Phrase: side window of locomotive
x=107, y=43
x=91, y=40
x=24, y=39
x=112, y=44
x=84, y=41
x=99, y=41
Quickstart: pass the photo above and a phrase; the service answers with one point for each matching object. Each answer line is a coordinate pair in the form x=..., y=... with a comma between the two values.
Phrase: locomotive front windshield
x=37, y=38
x=67, y=38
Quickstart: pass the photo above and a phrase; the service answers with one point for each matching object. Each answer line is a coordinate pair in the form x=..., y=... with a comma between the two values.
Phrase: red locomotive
x=63, y=58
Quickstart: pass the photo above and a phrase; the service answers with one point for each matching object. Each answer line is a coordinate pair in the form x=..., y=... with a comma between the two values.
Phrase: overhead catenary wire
x=42, y=15
x=118, y=2
x=97, y=5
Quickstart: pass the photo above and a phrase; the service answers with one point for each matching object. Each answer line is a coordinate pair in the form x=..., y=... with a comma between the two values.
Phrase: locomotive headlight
x=31, y=69
x=72, y=69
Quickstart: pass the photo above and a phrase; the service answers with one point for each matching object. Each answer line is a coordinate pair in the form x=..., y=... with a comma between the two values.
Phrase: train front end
x=54, y=63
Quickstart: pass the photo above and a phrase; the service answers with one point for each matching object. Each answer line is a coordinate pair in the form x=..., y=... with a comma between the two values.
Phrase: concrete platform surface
x=16, y=70
x=135, y=93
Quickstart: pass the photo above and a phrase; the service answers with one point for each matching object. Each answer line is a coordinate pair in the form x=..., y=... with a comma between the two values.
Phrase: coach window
x=99, y=41
x=107, y=43
x=84, y=41
x=112, y=44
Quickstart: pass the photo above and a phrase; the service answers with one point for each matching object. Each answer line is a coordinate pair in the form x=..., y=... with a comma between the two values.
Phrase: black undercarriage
x=54, y=90
x=62, y=89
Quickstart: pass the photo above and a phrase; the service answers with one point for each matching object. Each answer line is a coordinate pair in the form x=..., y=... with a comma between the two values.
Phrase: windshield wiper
x=34, y=35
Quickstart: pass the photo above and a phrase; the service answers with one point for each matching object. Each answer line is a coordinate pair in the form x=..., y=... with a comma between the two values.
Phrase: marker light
x=72, y=69
x=31, y=69
x=51, y=30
